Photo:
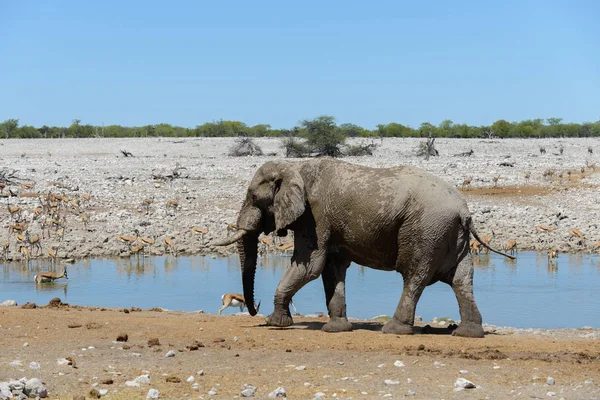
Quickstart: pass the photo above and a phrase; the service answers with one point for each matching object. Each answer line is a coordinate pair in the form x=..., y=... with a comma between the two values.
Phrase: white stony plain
x=212, y=186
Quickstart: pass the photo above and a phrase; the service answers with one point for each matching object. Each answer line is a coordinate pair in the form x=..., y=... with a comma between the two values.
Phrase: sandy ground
x=235, y=350
x=209, y=187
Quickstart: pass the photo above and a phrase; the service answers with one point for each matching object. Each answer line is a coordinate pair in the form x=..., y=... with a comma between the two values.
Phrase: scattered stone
x=301, y=367
x=421, y=347
x=278, y=393
x=102, y=392
x=26, y=344
x=170, y=353
x=107, y=381
x=8, y=303
x=320, y=395
x=5, y=392
x=399, y=363
x=74, y=326
x=464, y=384
x=153, y=342
x=95, y=394
x=340, y=363
x=550, y=381
x=381, y=366
x=463, y=372
x=212, y=392
x=391, y=382
x=248, y=391
x=142, y=379
x=35, y=388
x=132, y=384
x=55, y=302
x=411, y=393
x=153, y=394
x=122, y=337
x=16, y=363
x=173, y=379
x=551, y=394
x=34, y=365
x=29, y=306
x=190, y=379
x=200, y=373
x=78, y=397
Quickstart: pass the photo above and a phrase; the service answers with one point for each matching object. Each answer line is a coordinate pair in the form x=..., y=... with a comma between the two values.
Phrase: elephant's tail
x=469, y=225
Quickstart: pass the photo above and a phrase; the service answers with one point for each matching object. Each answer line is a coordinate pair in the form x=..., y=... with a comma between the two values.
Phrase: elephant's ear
x=290, y=198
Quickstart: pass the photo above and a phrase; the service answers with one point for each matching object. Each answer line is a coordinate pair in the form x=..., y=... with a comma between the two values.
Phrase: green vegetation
x=321, y=133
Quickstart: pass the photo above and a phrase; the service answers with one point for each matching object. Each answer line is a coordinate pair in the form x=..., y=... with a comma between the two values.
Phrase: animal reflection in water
x=552, y=261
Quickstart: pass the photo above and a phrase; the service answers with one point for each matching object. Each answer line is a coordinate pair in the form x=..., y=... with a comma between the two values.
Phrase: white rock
x=390, y=382
x=550, y=380
x=399, y=363
x=102, y=392
x=132, y=384
x=190, y=379
x=248, y=391
x=16, y=363
x=236, y=339
x=319, y=395
x=411, y=393
x=153, y=394
x=35, y=388
x=8, y=303
x=200, y=373
x=63, y=361
x=195, y=386
x=212, y=392
x=26, y=344
x=142, y=379
x=464, y=383
x=381, y=366
x=463, y=372
x=387, y=395
x=5, y=392
x=301, y=367
x=34, y=365
x=340, y=363
x=496, y=367
x=551, y=394
x=307, y=384
x=16, y=385
x=170, y=353
x=278, y=393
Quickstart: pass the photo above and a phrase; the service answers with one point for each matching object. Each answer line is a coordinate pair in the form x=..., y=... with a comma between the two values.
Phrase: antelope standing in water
x=511, y=246
x=50, y=276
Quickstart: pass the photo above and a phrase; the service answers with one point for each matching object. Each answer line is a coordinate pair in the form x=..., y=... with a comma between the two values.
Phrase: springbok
x=544, y=228
x=234, y=300
x=578, y=233
x=552, y=254
x=48, y=276
x=474, y=246
x=467, y=182
x=511, y=246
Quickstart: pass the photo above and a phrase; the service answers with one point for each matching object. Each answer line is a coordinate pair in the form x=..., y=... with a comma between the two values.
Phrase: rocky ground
x=131, y=354
x=209, y=187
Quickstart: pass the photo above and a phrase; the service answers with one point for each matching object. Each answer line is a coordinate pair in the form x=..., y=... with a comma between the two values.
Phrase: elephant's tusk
x=231, y=239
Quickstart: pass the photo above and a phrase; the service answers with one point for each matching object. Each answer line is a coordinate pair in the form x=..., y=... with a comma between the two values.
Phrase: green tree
x=9, y=126
x=323, y=136
x=501, y=128
x=350, y=130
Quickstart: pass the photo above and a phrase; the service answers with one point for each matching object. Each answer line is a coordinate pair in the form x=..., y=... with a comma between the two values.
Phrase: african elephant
x=396, y=219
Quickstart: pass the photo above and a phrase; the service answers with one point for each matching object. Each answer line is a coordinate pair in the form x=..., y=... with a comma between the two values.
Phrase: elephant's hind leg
x=334, y=282
x=462, y=284
x=404, y=318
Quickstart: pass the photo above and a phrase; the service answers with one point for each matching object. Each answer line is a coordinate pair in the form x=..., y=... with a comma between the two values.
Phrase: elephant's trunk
x=248, y=251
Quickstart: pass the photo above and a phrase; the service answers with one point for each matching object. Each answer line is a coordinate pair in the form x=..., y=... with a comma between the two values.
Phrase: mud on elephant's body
x=397, y=219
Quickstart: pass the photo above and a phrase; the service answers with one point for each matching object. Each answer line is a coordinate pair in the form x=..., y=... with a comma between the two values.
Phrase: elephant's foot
x=279, y=319
x=397, y=328
x=337, y=325
x=469, y=329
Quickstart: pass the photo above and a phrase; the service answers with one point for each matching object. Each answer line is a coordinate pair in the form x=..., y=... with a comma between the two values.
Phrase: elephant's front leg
x=334, y=282
x=304, y=268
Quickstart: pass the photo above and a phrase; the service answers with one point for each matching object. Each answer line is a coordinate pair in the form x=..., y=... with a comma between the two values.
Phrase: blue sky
x=190, y=62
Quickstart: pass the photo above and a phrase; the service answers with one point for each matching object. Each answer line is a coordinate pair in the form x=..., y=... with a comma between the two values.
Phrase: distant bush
x=245, y=146
x=294, y=148
x=360, y=150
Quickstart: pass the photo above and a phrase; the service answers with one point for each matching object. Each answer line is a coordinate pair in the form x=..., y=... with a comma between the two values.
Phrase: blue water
x=525, y=293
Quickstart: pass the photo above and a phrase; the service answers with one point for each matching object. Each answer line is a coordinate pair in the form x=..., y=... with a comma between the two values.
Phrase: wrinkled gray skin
x=395, y=219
